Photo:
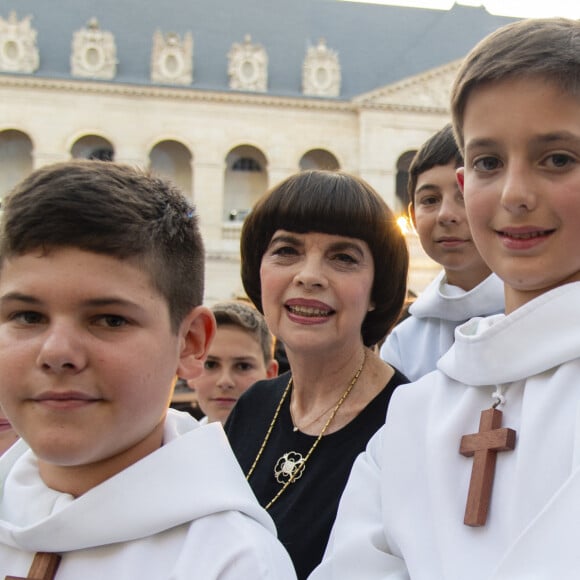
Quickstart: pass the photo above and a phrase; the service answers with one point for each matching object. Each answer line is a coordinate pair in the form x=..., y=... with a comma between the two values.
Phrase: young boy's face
x=441, y=223
x=522, y=183
x=88, y=360
x=234, y=363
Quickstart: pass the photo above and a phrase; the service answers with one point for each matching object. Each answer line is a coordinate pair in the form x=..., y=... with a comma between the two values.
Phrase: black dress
x=305, y=512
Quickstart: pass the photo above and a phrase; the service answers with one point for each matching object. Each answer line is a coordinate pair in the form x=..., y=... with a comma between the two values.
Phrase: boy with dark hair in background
x=465, y=287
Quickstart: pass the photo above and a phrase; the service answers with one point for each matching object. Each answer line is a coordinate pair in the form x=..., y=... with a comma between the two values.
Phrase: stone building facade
x=227, y=124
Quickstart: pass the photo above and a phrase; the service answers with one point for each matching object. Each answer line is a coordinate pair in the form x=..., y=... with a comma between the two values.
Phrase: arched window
x=319, y=159
x=246, y=164
x=245, y=181
x=102, y=154
x=172, y=160
x=93, y=147
x=403, y=164
x=15, y=159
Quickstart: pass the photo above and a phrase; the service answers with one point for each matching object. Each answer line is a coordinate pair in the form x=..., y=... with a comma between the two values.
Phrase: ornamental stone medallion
x=94, y=54
x=18, y=50
x=172, y=58
x=321, y=71
x=248, y=66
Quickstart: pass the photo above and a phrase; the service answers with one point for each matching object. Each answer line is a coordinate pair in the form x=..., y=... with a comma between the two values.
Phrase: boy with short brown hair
x=101, y=281
x=241, y=354
x=449, y=488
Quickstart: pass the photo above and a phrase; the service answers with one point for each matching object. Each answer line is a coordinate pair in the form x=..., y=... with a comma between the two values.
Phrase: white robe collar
x=433, y=302
x=197, y=475
x=503, y=349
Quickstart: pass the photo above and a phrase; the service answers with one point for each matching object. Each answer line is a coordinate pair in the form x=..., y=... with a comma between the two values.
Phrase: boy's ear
x=196, y=334
x=272, y=369
x=460, y=176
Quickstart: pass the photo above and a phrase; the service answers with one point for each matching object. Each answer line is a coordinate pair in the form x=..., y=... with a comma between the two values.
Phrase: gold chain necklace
x=290, y=466
x=297, y=427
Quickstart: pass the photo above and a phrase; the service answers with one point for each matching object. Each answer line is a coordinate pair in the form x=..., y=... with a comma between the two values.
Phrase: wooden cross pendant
x=484, y=446
x=44, y=567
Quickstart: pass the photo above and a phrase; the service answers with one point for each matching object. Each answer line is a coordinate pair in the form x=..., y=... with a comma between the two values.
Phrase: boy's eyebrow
x=95, y=302
x=237, y=358
x=20, y=297
x=479, y=143
x=245, y=357
x=427, y=187
x=558, y=136
x=564, y=135
x=109, y=301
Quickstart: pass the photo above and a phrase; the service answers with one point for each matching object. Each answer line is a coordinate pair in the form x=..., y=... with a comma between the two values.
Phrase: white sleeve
x=390, y=350
x=232, y=546
x=357, y=547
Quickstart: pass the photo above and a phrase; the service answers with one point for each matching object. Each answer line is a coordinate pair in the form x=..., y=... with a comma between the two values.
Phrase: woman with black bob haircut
x=332, y=203
x=325, y=262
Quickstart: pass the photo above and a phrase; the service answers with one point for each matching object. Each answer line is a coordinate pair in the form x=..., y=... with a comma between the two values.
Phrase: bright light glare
x=405, y=225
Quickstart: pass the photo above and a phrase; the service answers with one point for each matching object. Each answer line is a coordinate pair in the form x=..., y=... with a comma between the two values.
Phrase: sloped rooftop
x=377, y=45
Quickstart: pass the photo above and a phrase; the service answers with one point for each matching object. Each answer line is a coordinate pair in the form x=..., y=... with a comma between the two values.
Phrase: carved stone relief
x=321, y=71
x=248, y=66
x=434, y=92
x=18, y=50
x=172, y=58
x=428, y=90
x=94, y=53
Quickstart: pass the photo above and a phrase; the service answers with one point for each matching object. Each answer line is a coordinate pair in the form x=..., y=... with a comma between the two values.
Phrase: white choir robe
x=416, y=344
x=401, y=515
x=183, y=512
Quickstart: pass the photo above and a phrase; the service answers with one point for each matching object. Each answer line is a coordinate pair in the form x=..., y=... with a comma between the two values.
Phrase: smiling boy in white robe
x=439, y=494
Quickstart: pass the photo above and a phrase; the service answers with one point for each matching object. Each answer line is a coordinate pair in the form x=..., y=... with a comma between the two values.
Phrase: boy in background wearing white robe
x=101, y=281
x=516, y=115
x=465, y=287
